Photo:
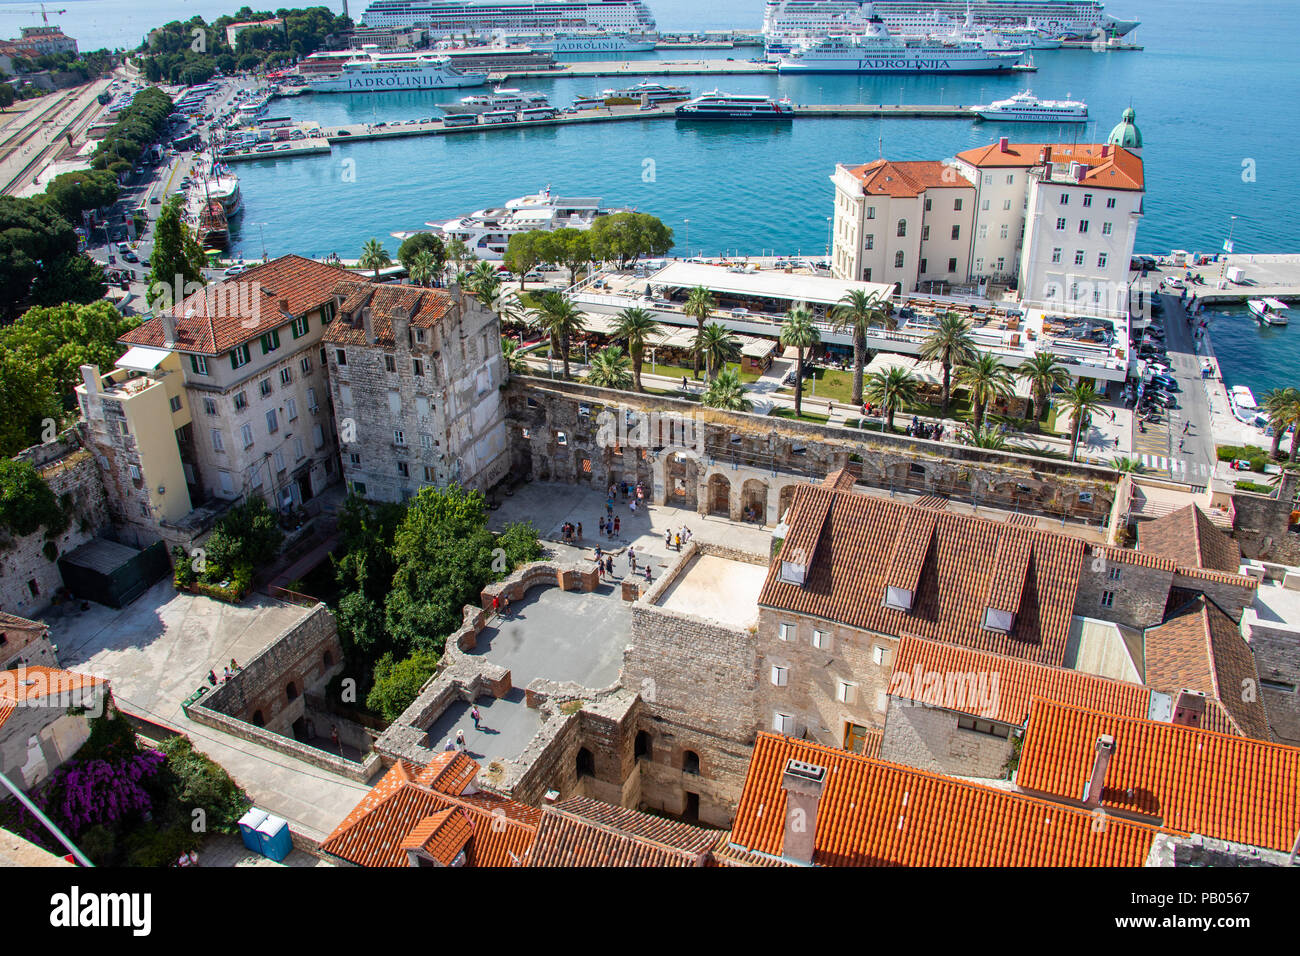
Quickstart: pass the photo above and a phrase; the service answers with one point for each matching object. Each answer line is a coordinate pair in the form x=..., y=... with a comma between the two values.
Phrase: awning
x=758, y=348
x=141, y=358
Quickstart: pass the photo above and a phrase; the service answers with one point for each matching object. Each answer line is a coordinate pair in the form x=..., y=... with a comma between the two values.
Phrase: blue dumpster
x=248, y=825
x=277, y=842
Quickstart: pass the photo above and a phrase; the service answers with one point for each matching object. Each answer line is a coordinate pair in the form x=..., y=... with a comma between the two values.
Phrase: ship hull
x=396, y=83
x=898, y=64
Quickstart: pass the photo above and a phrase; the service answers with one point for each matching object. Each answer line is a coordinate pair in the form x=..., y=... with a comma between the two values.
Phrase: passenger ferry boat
x=498, y=99
x=877, y=51
x=373, y=72
x=1268, y=311
x=1025, y=107
x=716, y=105
x=657, y=92
x=457, y=17
x=1027, y=37
x=592, y=42
x=487, y=232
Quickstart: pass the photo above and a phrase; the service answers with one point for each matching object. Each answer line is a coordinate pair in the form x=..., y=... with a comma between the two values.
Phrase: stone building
x=416, y=378
x=44, y=719
x=24, y=643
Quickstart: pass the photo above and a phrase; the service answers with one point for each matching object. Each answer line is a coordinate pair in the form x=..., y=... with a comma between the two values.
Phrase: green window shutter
x=194, y=364
x=266, y=344
x=234, y=359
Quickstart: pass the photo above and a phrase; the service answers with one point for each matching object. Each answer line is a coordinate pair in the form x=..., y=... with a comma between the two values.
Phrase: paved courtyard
x=717, y=589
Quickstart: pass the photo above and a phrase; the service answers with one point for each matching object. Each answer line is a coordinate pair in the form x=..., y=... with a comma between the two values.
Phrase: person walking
x=474, y=716
x=1186, y=426
x=647, y=573
x=631, y=559
x=334, y=739
x=668, y=538
x=618, y=523
x=579, y=530
x=609, y=566
x=460, y=740
x=677, y=542
x=505, y=605
x=496, y=604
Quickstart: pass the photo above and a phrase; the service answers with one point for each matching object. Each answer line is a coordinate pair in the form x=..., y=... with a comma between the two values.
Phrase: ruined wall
x=1137, y=597
x=928, y=738
x=1262, y=524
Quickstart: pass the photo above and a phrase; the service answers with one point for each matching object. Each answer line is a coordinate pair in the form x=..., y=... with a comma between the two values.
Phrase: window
x=429, y=473
x=869, y=242
x=845, y=692
x=209, y=406
x=1002, y=263
x=1065, y=199
x=1107, y=598
x=1002, y=231
x=787, y=631
x=1110, y=202
x=928, y=202
x=354, y=458
x=855, y=738
x=879, y=654
x=643, y=746
x=299, y=453
x=984, y=205
x=925, y=234
x=1083, y=225
x=821, y=640
x=227, y=487
x=1115, y=572
x=292, y=407
x=952, y=265
x=900, y=599
x=783, y=723
x=390, y=364
x=1276, y=685
x=286, y=376
x=1011, y=179
x=924, y=263
x=199, y=364
x=780, y=675
x=1074, y=290
x=246, y=432
x=561, y=438
x=359, y=487
x=265, y=386
x=1056, y=254
x=218, y=444
x=399, y=437
x=426, y=441
x=311, y=400
x=305, y=364
x=898, y=259
x=1078, y=257
x=317, y=436
x=1006, y=205
x=341, y=356
x=419, y=336
x=301, y=327
x=1060, y=223
x=272, y=423
x=1106, y=228
x=956, y=232
x=323, y=360
x=902, y=227
x=983, y=727
x=404, y=469
x=988, y=179
x=1087, y=199
x=690, y=761
x=979, y=265
x=984, y=231
x=279, y=460
x=871, y=212
x=239, y=357
x=999, y=620
x=417, y=367
x=1101, y=260
x=135, y=472
x=241, y=401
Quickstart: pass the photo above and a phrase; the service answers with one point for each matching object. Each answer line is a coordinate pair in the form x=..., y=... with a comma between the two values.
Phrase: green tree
x=58, y=340
x=422, y=267
x=522, y=253
x=458, y=253
x=626, y=236
x=246, y=538
x=374, y=256
x=1043, y=373
x=987, y=438
x=177, y=257
x=699, y=306
x=84, y=189
x=510, y=353
x=561, y=319
x=26, y=502
x=1132, y=466
x=29, y=400
x=1282, y=406
x=859, y=310
x=715, y=346
x=891, y=389
x=422, y=242
x=798, y=331
x=727, y=392
x=636, y=327
x=950, y=344
x=1080, y=401
x=610, y=368
x=567, y=247
x=986, y=379
x=37, y=245
x=398, y=684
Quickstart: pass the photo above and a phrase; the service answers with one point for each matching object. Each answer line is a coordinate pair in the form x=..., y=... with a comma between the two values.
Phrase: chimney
x=1045, y=157
x=802, y=783
x=169, y=330
x=551, y=798
x=284, y=306
x=1105, y=750
x=1189, y=708
x=90, y=378
x=1079, y=171
x=366, y=324
x=401, y=327
x=1002, y=144
x=1105, y=150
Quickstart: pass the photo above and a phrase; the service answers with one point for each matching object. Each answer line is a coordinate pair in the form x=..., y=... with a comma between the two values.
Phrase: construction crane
x=44, y=16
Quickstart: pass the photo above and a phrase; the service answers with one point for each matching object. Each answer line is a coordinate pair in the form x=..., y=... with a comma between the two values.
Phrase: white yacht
x=657, y=92
x=1268, y=311
x=498, y=99
x=1028, y=37
x=1025, y=107
x=374, y=72
x=716, y=105
x=878, y=51
x=487, y=232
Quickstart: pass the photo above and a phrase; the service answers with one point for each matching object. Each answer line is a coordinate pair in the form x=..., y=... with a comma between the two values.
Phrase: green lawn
x=781, y=412
x=677, y=371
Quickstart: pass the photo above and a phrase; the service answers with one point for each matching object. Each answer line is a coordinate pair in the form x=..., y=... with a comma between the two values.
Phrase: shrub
x=398, y=684
x=195, y=781
x=247, y=537
x=1255, y=486
x=1257, y=456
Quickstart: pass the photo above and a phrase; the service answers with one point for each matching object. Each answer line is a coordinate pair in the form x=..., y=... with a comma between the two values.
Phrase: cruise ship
x=716, y=105
x=1025, y=107
x=370, y=72
x=487, y=232
x=1070, y=19
x=456, y=17
x=876, y=51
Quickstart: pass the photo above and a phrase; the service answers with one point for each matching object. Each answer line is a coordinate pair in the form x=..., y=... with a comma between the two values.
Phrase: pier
x=1266, y=275
x=597, y=68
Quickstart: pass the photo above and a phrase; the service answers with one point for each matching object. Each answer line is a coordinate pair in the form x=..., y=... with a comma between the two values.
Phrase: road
x=35, y=139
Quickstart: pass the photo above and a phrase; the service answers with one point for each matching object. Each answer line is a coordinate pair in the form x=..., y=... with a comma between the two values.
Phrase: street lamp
x=829, y=222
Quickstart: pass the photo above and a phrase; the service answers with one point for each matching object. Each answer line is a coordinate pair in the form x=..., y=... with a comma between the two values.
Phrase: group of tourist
x=226, y=673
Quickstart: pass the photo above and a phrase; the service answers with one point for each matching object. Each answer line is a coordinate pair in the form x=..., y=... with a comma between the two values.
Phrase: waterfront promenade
x=1266, y=275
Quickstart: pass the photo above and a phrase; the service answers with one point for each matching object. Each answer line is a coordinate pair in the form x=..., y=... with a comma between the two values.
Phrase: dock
x=597, y=68
x=1266, y=276
x=1105, y=46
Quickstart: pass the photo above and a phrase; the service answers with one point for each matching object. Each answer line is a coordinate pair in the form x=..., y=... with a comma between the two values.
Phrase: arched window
x=898, y=259
x=644, y=748
x=902, y=227
x=258, y=719
x=690, y=761
x=586, y=764
x=291, y=692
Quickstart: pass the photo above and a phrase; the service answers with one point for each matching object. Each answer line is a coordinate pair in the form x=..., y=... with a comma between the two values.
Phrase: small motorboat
x=1268, y=311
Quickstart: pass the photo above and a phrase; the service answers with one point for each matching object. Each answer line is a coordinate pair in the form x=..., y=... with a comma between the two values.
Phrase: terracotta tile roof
x=12, y=622
x=888, y=178
x=399, y=807
x=442, y=835
x=841, y=480
x=449, y=772
x=854, y=545
x=1188, y=538
x=584, y=832
x=423, y=307
x=1139, y=559
x=1011, y=684
x=239, y=309
x=1120, y=168
x=727, y=855
x=1200, y=648
x=877, y=814
x=1195, y=781
x=1221, y=577
x=36, y=682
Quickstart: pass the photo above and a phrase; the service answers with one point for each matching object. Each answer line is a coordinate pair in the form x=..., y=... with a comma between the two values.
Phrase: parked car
x=130, y=256
x=235, y=270
x=535, y=277
x=1167, y=382
x=1173, y=282
x=1164, y=400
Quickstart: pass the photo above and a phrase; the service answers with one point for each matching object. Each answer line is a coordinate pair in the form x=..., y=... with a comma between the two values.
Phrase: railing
x=292, y=597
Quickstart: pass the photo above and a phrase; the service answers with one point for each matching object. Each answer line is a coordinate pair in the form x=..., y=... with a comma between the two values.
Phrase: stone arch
x=753, y=500
x=681, y=480
x=718, y=495
x=784, y=497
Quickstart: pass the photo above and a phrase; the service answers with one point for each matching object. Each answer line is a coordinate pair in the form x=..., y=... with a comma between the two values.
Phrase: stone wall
x=1231, y=598
x=928, y=738
x=1138, y=597
x=1262, y=524
x=75, y=478
x=1197, y=850
x=1276, y=645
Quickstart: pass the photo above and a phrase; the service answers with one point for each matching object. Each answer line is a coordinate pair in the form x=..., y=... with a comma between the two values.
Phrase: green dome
x=1126, y=133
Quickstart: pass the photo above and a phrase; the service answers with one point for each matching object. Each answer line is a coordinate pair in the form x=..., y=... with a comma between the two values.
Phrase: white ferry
x=1268, y=311
x=498, y=99
x=716, y=105
x=1027, y=37
x=877, y=51
x=593, y=42
x=372, y=72
x=487, y=232
x=1025, y=107
x=657, y=92
x=456, y=17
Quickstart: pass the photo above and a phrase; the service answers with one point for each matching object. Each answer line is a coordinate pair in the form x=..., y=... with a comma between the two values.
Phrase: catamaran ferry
x=1025, y=107
x=716, y=105
x=456, y=17
x=1071, y=19
x=487, y=232
x=876, y=51
x=371, y=72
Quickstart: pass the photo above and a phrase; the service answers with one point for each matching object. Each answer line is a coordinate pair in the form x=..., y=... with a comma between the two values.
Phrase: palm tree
x=1080, y=400
x=636, y=326
x=986, y=378
x=727, y=392
x=798, y=331
x=457, y=252
x=509, y=308
x=1131, y=466
x=988, y=438
x=949, y=344
x=423, y=267
x=561, y=318
x=859, y=311
x=716, y=346
x=1043, y=373
x=699, y=306
x=374, y=256
x=891, y=389
x=1282, y=405
x=610, y=368
x=515, y=363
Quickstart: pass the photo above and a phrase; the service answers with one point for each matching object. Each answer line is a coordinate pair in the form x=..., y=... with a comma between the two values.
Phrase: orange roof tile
x=580, y=831
x=878, y=814
x=1190, y=539
x=885, y=177
x=1196, y=781
x=441, y=835
x=238, y=309
x=449, y=772
x=1010, y=684
x=855, y=545
x=1119, y=168
x=422, y=307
